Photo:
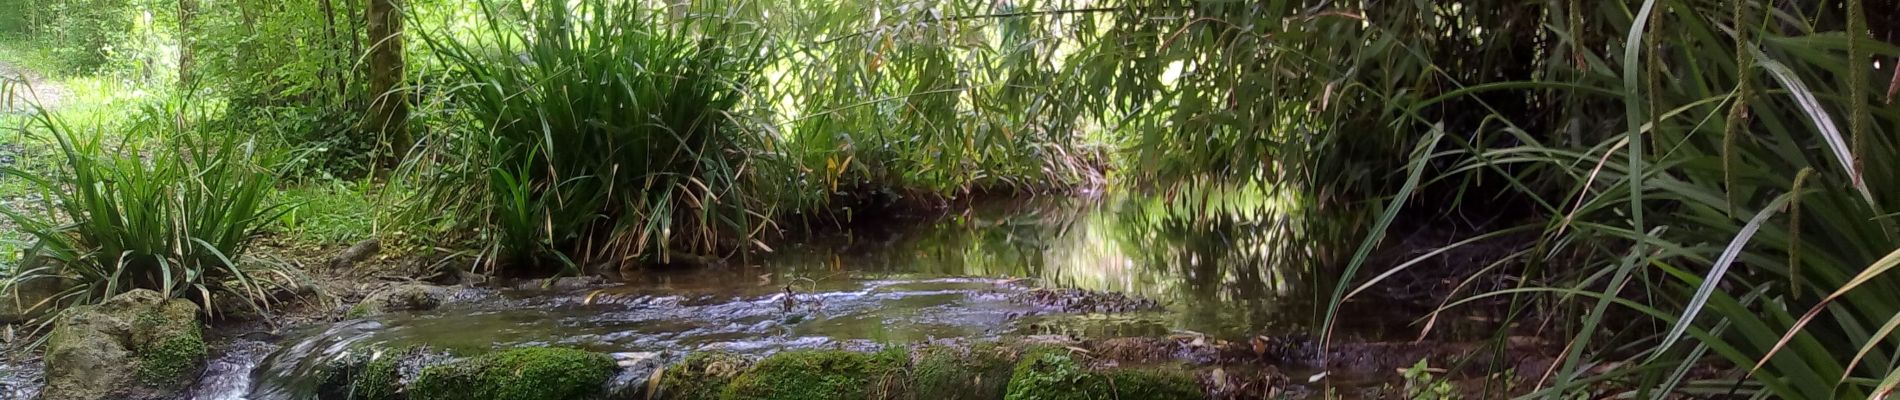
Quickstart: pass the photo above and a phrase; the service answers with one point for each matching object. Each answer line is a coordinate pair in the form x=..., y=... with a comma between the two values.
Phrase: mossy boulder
x=1058, y=374
x=946, y=372
x=702, y=376
x=817, y=374
x=365, y=375
x=537, y=373
x=409, y=297
x=136, y=345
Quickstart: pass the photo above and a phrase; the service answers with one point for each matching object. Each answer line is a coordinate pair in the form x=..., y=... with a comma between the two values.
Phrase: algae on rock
x=1056, y=374
x=375, y=375
x=136, y=345
x=945, y=372
x=410, y=297
x=702, y=376
x=535, y=373
x=819, y=374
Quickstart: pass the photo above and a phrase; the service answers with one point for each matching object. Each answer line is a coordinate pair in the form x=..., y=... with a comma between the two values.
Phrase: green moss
x=171, y=360
x=941, y=372
x=538, y=373
x=365, y=376
x=815, y=375
x=170, y=350
x=361, y=310
x=1055, y=374
x=701, y=376
x=1051, y=374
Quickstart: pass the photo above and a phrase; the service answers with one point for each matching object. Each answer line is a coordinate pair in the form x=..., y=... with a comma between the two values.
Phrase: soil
x=46, y=93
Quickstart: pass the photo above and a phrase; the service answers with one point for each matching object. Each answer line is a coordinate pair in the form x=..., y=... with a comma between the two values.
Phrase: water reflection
x=1227, y=262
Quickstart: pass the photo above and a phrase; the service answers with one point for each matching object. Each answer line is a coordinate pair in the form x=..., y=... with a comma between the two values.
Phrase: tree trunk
x=388, y=114
x=186, y=10
x=330, y=43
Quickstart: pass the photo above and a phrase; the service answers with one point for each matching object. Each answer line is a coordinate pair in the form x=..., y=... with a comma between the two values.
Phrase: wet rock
x=407, y=297
x=1050, y=373
x=819, y=375
x=562, y=283
x=1085, y=301
x=30, y=298
x=701, y=376
x=536, y=373
x=365, y=375
x=356, y=253
x=136, y=345
x=638, y=372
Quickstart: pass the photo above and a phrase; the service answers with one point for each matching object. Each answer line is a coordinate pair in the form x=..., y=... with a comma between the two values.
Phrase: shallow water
x=1233, y=265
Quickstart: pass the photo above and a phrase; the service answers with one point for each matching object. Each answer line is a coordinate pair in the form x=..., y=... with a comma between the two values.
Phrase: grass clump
x=603, y=131
x=170, y=207
x=329, y=212
x=538, y=373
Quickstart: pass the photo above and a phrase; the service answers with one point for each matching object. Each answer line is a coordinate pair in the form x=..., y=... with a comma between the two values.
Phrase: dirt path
x=20, y=88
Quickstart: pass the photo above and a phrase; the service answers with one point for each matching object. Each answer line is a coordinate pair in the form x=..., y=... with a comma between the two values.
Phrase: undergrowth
x=173, y=214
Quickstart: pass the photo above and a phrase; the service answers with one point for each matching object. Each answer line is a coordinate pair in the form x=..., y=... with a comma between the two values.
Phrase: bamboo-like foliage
x=174, y=215
x=604, y=133
x=1705, y=195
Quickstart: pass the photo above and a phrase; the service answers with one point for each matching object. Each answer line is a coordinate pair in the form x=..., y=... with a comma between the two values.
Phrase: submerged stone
x=535, y=373
x=136, y=345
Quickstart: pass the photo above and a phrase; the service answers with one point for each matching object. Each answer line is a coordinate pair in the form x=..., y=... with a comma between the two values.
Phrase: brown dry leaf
x=653, y=382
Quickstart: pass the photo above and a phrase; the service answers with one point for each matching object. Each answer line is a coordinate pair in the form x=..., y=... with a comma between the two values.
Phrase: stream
x=1228, y=266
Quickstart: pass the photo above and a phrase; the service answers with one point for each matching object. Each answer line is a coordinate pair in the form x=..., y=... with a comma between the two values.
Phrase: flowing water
x=1230, y=266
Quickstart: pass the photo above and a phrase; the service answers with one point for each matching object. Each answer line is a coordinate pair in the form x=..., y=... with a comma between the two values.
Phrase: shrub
x=172, y=217
x=605, y=131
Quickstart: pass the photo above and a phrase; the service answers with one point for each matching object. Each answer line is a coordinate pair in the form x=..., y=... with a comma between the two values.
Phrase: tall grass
x=168, y=203
x=1724, y=206
x=605, y=132
x=13, y=91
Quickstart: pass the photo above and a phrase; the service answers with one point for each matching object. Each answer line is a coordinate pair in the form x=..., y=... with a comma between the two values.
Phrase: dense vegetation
x=1716, y=180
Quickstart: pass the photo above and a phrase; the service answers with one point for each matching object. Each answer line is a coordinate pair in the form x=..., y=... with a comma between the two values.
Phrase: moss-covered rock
x=368, y=375
x=84, y=360
x=169, y=344
x=136, y=345
x=538, y=373
x=411, y=297
x=945, y=372
x=1056, y=374
x=702, y=376
x=815, y=375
